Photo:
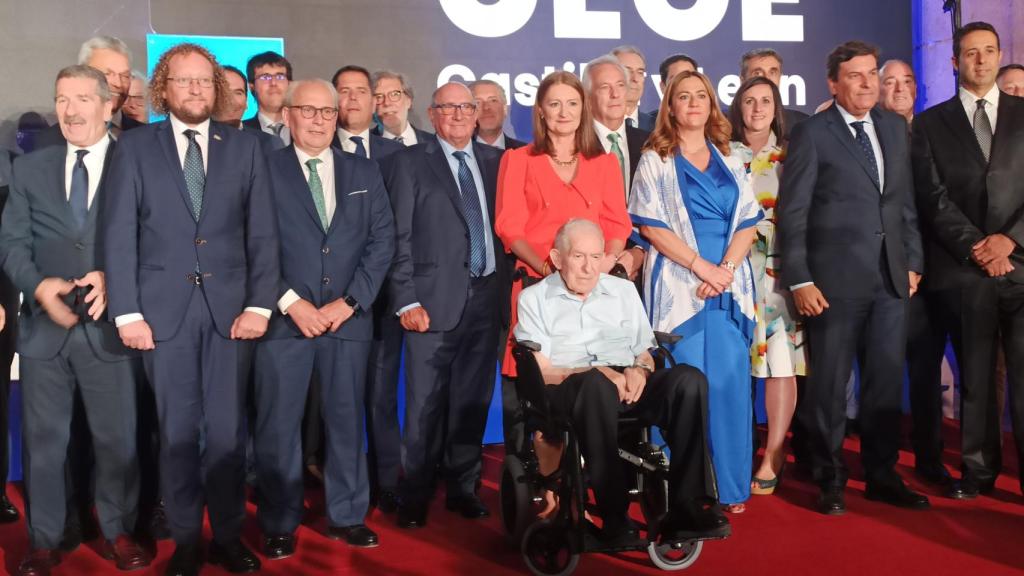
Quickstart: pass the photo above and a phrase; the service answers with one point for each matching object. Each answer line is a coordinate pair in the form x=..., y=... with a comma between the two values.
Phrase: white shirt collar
x=498, y=143
x=408, y=135
x=603, y=132
x=324, y=156
x=850, y=118
x=97, y=150
x=178, y=126
x=970, y=101
x=635, y=117
x=344, y=135
x=265, y=120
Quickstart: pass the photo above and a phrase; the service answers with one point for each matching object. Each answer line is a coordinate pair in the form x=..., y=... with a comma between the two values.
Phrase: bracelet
x=728, y=265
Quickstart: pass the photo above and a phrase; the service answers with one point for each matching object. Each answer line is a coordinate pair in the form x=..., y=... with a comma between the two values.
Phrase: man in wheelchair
x=594, y=339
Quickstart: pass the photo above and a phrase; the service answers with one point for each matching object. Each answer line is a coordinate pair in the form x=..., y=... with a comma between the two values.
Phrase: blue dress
x=717, y=339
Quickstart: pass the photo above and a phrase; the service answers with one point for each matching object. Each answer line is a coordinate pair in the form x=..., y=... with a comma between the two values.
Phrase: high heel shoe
x=762, y=487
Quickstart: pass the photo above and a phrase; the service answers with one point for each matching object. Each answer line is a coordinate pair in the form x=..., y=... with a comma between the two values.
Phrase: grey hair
x=294, y=86
x=103, y=43
x=382, y=74
x=629, y=49
x=83, y=71
x=137, y=75
x=757, y=53
x=433, y=96
x=485, y=82
x=881, y=69
x=563, y=238
x=603, y=60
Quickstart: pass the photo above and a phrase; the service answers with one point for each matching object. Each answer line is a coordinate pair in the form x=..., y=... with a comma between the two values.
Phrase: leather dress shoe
x=411, y=516
x=695, y=521
x=185, y=561
x=831, y=501
x=8, y=513
x=234, y=557
x=387, y=501
x=279, y=547
x=468, y=506
x=72, y=537
x=357, y=535
x=968, y=488
x=158, y=529
x=897, y=494
x=934, y=473
x=39, y=562
x=126, y=553
x=617, y=537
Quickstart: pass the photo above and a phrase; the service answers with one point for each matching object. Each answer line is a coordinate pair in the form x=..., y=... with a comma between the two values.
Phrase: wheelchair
x=552, y=546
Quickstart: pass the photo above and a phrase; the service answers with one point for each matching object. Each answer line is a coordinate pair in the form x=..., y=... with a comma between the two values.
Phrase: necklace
x=568, y=162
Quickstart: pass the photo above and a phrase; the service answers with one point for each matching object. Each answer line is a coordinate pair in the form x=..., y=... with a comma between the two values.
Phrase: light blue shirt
x=608, y=328
x=453, y=164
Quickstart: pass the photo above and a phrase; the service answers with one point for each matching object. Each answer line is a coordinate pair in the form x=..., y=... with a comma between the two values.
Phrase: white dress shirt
x=634, y=116
x=498, y=143
x=325, y=169
x=408, y=135
x=350, y=146
x=970, y=102
x=265, y=123
x=93, y=165
x=181, y=143
x=602, y=135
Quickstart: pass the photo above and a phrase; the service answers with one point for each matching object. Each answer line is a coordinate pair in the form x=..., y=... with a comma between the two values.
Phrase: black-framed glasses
x=183, y=82
x=449, y=109
x=392, y=96
x=280, y=77
x=327, y=113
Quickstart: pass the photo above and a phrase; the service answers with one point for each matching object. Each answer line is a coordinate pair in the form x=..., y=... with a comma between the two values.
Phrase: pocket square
x=356, y=192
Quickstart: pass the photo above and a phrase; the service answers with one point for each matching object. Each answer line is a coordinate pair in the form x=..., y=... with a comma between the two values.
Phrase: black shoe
x=186, y=561
x=897, y=494
x=968, y=488
x=694, y=521
x=157, y=527
x=278, y=547
x=934, y=473
x=357, y=535
x=234, y=557
x=387, y=501
x=469, y=506
x=852, y=427
x=831, y=501
x=8, y=513
x=72, y=537
x=617, y=537
x=412, y=516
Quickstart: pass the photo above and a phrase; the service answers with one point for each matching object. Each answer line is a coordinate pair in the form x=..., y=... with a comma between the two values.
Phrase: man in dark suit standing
x=355, y=116
x=446, y=285
x=969, y=175
x=492, y=103
x=238, y=98
x=8, y=337
x=852, y=256
x=393, y=97
x=269, y=74
x=192, y=260
x=337, y=239
x=51, y=252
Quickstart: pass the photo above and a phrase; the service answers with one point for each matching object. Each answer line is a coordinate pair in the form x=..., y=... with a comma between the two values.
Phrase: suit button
x=79, y=246
x=200, y=241
x=326, y=280
x=326, y=250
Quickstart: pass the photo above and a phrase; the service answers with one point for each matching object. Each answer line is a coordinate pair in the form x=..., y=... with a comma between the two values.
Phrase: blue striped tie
x=195, y=175
x=360, y=149
x=474, y=216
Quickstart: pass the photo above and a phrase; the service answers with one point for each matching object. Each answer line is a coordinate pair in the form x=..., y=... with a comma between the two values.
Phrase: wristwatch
x=728, y=265
x=644, y=366
x=354, y=304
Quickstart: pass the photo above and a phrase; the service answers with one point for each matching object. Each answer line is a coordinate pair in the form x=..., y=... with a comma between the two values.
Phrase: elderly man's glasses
x=310, y=111
x=392, y=96
x=449, y=109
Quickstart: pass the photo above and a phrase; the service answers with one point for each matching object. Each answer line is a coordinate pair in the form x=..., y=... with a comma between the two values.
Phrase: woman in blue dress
x=695, y=206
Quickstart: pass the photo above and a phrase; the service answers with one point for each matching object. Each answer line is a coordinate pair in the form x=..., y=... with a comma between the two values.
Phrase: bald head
x=898, y=88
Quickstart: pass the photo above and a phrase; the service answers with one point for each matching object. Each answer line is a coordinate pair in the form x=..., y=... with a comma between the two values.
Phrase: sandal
x=762, y=487
x=736, y=508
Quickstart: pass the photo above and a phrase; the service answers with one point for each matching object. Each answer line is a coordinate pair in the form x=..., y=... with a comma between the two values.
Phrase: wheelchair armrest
x=529, y=345
x=667, y=338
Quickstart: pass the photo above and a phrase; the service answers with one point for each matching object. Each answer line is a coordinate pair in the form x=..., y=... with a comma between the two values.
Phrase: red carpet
x=778, y=534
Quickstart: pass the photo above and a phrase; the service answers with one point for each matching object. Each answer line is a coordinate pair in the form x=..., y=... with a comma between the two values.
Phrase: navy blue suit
x=267, y=140
x=450, y=368
x=154, y=248
x=350, y=259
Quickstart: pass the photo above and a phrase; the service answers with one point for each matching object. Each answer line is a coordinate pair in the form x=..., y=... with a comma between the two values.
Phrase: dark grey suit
x=40, y=239
x=9, y=300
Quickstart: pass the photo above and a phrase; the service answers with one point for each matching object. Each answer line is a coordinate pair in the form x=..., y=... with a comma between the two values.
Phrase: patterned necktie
x=360, y=149
x=195, y=175
x=615, y=137
x=400, y=140
x=276, y=128
x=474, y=216
x=983, y=129
x=869, y=152
x=79, y=198
x=316, y=187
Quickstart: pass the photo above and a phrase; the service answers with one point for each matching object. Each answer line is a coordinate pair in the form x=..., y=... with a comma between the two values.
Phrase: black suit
x=856, y=243
x=450, y=368
x=9, y=300
x=963, y=199
x=40, y=239
x=378, y=147
x=791, y=118
x=269, y=141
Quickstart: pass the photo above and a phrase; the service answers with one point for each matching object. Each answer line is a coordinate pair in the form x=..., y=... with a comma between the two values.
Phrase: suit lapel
x=166, y=137
x=485, y=175
x=296, y=178
x=439, y=165
x=58, y=184
x=1007, y=133
x=842, y=133
x=215, y=148
x=90, y=219
x=956, y=119
x=341, y=182
x=882, y=132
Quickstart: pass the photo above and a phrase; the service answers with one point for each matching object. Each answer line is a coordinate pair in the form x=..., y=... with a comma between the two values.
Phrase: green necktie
x=317, y=188
x=614, y=137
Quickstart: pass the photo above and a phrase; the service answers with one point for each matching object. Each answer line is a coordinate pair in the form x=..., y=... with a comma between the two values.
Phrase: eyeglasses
x=182, y=82
x=326, y=113
x=392, y=96
x=449, y=109
x=280, y=77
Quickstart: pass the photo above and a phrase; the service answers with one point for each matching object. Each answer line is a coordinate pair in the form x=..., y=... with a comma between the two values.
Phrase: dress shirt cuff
x=408, y=307
x=127, y=319
x=265, y=312
x=289, y=298
x=800, y=285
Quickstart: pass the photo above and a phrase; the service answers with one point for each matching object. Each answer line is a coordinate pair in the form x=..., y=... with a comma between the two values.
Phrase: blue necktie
x=79, y=198
x=195, y=176
x=474, y=216
x=360, y=149
x=869, y=152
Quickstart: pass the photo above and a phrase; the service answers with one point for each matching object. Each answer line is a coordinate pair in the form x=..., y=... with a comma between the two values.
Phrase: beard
x=189, y=117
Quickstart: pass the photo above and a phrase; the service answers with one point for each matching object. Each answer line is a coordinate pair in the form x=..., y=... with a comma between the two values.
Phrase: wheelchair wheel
x=516, y=499
x=678, y=556
x=547, y=551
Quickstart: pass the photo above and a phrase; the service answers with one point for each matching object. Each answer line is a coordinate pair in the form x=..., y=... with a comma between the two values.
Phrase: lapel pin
x=216, y=136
